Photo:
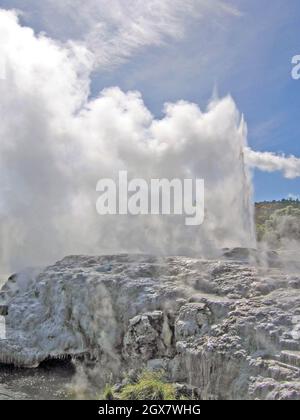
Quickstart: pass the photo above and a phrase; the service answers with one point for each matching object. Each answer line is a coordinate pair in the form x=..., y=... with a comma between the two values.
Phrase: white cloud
x=116, y=29
x=270, y=162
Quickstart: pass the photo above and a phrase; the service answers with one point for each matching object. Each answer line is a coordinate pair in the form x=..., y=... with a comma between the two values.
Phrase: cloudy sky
x=172, y=49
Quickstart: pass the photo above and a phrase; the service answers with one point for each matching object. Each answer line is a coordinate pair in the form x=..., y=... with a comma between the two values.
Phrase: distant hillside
x=265, y=209
x=269, y=213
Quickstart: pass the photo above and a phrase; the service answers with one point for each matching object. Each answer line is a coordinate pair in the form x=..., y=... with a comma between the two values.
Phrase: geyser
x=62, y=142
x=160, y=197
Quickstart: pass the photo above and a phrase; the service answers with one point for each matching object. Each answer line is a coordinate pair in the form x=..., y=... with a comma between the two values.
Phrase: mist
x=58, y=141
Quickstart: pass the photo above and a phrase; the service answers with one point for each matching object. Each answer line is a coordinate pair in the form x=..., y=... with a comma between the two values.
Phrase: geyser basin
x=222, y=326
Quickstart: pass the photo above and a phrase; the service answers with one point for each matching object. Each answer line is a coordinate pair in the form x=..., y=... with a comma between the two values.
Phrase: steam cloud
x=269, y=162
x=56, y=143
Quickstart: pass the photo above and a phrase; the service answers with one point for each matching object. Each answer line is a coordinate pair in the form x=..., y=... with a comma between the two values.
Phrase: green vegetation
x=278, y=221
x=149, y=386
x=108, y=393
x=265, y=209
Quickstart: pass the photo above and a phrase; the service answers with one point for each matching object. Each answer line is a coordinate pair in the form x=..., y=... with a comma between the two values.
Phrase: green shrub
x=108, y=393
x=150, y=386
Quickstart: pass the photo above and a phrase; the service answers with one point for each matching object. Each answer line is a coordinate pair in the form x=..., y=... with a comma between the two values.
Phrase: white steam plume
x=269, y=162
x=56, y=144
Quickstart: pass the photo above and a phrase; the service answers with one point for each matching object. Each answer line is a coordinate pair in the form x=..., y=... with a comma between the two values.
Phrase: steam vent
x=225, y=328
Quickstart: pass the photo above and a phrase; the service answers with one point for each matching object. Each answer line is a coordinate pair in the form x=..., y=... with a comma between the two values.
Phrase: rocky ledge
x=227, y=328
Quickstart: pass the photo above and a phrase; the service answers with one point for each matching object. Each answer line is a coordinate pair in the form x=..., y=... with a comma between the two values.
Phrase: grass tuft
x=150, y=386
x=108, y=393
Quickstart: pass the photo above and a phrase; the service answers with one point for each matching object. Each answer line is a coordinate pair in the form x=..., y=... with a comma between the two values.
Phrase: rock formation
x=227, y=328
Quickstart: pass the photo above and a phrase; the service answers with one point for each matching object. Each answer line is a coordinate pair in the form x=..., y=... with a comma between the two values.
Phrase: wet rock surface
x=51, y=381
x=226, y=328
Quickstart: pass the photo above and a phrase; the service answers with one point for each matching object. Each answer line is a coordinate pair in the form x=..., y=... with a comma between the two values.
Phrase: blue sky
x=247, y=54
x=250, y=58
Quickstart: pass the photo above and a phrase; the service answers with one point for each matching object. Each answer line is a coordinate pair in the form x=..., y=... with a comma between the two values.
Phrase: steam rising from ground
x=56, y=143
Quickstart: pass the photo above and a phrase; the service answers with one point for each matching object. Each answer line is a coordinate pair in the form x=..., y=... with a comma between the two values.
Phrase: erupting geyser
x=68, y=142
x=134, y=291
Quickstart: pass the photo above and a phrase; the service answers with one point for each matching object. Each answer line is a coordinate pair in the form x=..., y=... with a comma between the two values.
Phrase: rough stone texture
x=225, y=328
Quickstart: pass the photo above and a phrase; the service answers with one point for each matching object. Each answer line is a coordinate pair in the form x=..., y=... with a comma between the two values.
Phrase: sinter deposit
x=225, y=327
